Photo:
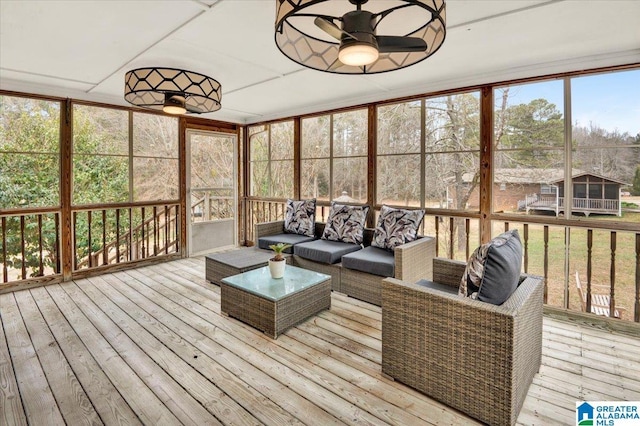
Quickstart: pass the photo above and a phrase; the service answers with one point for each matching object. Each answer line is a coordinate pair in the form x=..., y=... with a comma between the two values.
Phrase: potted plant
x=277, y=262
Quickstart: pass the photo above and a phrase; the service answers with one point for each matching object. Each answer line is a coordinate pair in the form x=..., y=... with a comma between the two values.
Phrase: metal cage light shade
x=299, y=41
x=172, y=90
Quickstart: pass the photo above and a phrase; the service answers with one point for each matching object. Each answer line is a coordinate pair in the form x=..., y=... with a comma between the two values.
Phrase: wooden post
x=182, y=166
x=371, y=163
x=486, y=148
x=297, y=150
x=66, y=251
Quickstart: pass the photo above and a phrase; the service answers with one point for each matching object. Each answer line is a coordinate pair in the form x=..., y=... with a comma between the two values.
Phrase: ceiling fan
x=359, y=43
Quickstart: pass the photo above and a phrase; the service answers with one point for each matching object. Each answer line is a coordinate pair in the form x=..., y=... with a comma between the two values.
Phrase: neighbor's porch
x=149, y=345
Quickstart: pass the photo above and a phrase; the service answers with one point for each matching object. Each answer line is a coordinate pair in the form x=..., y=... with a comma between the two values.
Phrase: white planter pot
x=276, y=267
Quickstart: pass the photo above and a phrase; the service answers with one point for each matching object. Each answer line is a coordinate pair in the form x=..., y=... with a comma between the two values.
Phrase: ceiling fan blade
x=332, y=29
x=389, y=44
x=193, y=110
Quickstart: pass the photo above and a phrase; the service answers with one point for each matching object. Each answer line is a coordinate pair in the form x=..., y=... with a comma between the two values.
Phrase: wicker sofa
x=474, y=356
x=412, y=262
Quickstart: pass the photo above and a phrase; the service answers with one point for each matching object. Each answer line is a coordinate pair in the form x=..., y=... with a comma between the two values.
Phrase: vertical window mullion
x=423, y=152
x=270, y=175
x=331, y=157
x=131, y=156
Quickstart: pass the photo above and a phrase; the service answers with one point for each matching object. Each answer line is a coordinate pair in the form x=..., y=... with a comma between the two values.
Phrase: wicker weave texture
x=476, y=357
x=274, y=317
x=216, y=270
x=264, y=229
x=324, y=268
x=413, y=261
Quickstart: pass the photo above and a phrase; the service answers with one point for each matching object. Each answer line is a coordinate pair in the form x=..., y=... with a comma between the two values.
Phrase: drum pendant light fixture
x=341, y=36
x=173, y=91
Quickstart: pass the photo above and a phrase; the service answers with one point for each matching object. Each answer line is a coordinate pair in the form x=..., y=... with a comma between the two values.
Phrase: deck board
x=150, y=346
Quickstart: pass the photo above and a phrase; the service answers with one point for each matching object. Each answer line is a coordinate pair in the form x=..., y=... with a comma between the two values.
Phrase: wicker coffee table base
x=274, y=317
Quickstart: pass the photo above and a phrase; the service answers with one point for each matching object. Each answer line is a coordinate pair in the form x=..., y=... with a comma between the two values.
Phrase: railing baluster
x=56, y=218
x=142, y=231
x=437, y=235
x=166, y=230
x=176, y=221
x=155, y=230
x=546, y=262
x=526, y=248
x=612, y=274
x=589, y=268
x=22, y=244
x=130, y=243
x=5, y=276
x=105, y=254
x=466, y=231
x=41, y=265
x=75, y=241
x=89, y=239
x=117, y=235
x=451, y=236
x=636, y=314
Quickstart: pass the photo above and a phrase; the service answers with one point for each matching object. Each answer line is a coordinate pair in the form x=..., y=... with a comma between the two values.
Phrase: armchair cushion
x=493, y=271
x=300, y=217
x=324, y=251
x=372, y=260
x=293, y=239
x=396, y=227
x=345, y=223
x=437, y=286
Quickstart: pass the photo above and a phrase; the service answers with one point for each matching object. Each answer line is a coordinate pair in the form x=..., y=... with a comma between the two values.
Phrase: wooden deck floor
x=150, y=346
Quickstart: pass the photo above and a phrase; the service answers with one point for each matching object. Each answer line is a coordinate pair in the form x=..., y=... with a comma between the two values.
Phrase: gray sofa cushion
x=324, y=251
x=293, y=239
x=493, y=271
x=372, y=260
x=438, y=286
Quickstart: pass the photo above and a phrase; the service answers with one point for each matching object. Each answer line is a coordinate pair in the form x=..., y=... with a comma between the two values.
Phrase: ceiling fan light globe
x=358, y=54
x=174, y=109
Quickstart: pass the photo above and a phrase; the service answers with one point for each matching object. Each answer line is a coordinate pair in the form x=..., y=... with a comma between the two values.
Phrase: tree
x=635, y=190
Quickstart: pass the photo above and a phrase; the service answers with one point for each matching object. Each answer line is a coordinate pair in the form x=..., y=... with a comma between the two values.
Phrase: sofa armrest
x=447, y=271
x=268, y=228
x=413, y=261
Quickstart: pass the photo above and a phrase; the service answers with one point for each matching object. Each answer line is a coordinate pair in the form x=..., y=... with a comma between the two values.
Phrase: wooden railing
x=212, y=204
x=603, y=257
x=30, y=244
x=600, y=255
x=124, y=234
x=578, y=203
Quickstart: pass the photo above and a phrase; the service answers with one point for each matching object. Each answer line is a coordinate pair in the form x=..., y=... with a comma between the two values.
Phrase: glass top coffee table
x=274, y=305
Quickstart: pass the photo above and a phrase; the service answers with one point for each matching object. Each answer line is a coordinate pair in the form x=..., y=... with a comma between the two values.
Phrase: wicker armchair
x=474, y=356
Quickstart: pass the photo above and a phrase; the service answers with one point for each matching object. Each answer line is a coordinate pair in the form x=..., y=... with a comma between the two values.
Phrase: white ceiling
x=82, y=49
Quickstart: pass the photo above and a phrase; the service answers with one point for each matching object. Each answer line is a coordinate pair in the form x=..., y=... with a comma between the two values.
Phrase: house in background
x=592, y=194
x=542, y=190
